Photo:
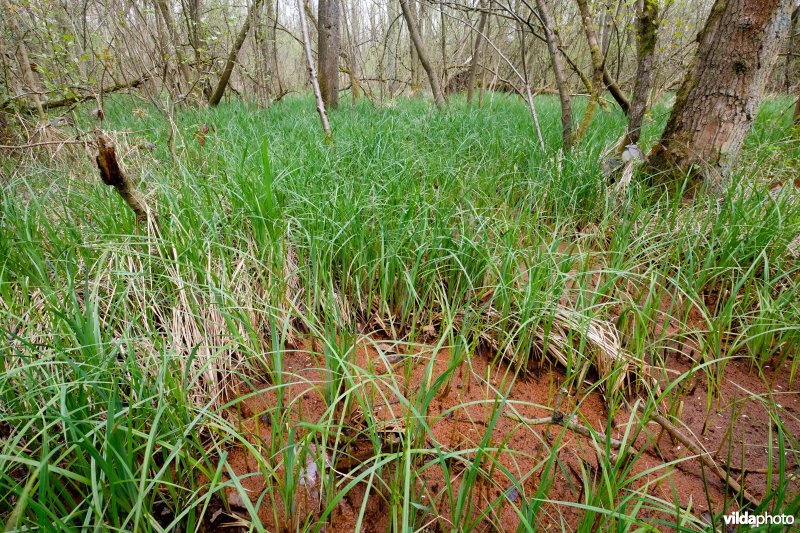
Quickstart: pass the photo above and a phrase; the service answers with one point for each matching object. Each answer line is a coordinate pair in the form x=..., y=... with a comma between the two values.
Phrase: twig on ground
x=559, y=419
x=704, y=456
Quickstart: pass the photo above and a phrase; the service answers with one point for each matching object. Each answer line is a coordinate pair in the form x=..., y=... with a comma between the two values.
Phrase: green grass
x=122, y=345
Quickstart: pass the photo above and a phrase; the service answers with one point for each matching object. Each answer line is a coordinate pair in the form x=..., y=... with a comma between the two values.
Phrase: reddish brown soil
x=457, y=417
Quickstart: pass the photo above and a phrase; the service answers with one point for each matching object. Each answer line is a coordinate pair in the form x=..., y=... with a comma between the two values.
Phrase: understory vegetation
x=420, y=252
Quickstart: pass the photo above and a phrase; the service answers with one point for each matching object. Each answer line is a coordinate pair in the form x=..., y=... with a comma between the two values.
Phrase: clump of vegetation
x=361, y=333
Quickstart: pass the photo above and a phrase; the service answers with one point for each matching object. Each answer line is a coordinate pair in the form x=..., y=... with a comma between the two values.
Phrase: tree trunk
x=169, y=22
x=328, y=51
x=646, y=36
x=599, y=74
x=415, y=72
x=597, y=68
x=231, y=61
x=312, y=74
x=790, y=50
x=199, y=46
x=473, y=66
x=558, y=71
x=393, y=31
x=484, y=60
x=351, y=56
x=272, y=40
x=433, y=77
x=24, y=61
x=796, y=115
x=528, y=94
x=719, y=97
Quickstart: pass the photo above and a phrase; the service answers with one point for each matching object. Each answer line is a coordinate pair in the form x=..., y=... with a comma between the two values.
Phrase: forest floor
x=430, y=325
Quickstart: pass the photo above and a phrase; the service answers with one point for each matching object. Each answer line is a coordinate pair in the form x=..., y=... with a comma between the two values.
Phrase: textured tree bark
x=718, y=100
x=312, y=74
x=328, y=51
x=231, y=61
x=112, y=175
x=646, y=34
x=433, y=76
x=558, y=71
x=473, y=65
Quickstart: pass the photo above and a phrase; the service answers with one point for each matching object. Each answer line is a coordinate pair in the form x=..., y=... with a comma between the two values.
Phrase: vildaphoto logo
x=747, y=519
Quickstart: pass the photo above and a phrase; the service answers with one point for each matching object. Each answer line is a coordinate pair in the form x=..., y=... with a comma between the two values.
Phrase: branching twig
x=558, y=418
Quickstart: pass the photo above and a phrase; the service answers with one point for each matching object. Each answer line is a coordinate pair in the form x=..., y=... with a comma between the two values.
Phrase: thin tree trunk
x=718, y=100
x=484, y=60
x=791, y=49
x=169, y=22
x=646, y=36
x=558, y=71
x=312, y=74
x=443, y=43
x=416, y=67
x=328, y=51
x=599, y=76
x=473, y=66
x=433, y=77
x=796, y=114
x=199, y=46
x=24, y=61
x=350, y=57
x=393, y=31
x=528, y=94
x=231, y=61
x=272, y=38
x=597, y=68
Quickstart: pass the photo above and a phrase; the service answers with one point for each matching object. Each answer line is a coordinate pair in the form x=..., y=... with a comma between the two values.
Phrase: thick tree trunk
x=558, y=71
x=719, y=97
x=646, y=34
x=433, y=76
x=473, y=65
x=328, y=51
x=231, y=61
